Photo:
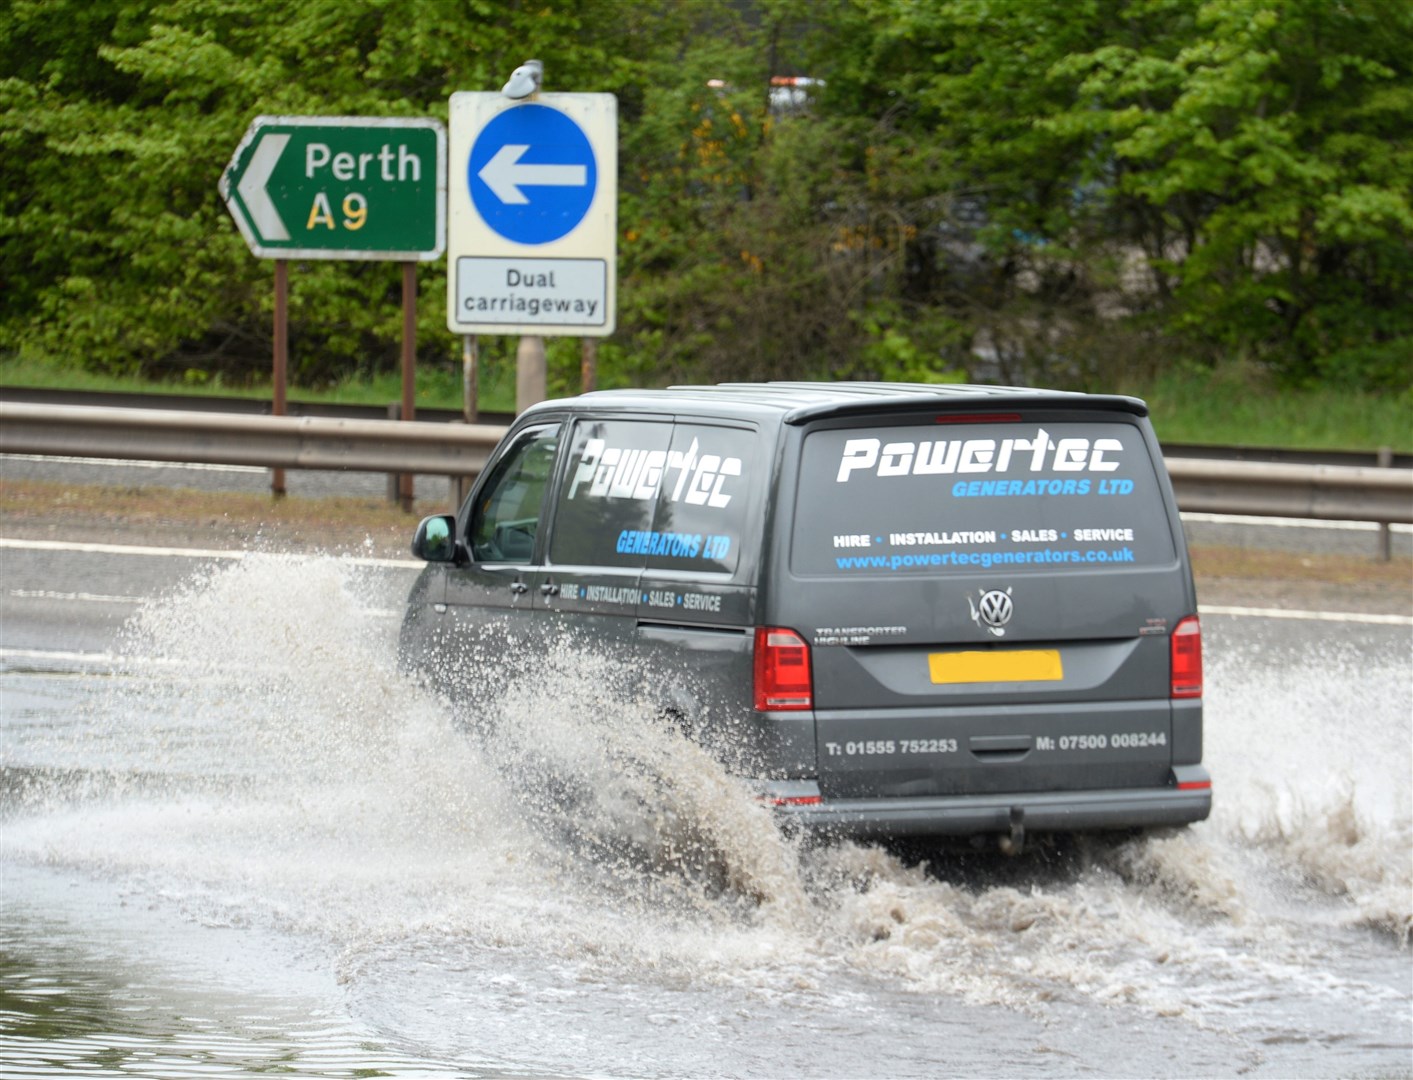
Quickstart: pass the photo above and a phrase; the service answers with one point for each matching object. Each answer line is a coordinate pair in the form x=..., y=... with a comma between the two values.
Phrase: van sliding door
x=588, y=590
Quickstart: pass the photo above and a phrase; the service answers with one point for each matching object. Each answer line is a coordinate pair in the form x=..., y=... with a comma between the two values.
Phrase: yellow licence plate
x=1019, y=665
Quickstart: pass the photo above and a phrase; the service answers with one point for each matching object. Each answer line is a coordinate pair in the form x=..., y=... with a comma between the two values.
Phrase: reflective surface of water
x=248, y=844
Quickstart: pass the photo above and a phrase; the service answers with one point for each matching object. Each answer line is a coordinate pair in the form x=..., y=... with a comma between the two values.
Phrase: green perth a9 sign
x=340, y=187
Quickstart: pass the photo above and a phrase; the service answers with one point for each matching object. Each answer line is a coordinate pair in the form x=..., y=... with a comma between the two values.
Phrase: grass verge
x=1231, y=410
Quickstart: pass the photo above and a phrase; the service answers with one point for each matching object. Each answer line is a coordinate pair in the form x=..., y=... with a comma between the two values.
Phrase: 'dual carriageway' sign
x=532, y=225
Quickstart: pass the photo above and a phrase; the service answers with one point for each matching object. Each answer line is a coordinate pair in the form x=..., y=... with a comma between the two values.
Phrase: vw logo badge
x=993, y=611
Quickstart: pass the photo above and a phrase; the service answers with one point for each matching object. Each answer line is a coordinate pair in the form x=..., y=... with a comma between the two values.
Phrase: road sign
x=340, y=187
x=532, y=220
x=532, y=174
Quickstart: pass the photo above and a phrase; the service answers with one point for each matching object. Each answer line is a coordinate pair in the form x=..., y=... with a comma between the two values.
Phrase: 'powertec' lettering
x=943, y=456
x=613, y=472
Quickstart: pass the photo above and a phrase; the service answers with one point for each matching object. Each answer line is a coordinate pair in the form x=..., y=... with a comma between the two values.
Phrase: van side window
x=605, y=504
x=703, y=510
x=507, y=513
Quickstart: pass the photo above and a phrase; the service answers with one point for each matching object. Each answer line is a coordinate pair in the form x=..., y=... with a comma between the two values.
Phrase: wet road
x=235, y=839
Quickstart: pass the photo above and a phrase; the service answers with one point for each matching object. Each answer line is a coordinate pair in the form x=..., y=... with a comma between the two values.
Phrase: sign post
x=341, y=187
x=281, y=360
x=532, y=218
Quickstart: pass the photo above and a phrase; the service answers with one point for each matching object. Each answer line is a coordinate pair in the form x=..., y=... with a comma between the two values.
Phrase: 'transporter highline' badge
x=994, y=611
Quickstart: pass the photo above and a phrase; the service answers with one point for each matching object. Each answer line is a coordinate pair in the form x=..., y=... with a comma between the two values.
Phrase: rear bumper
x=966, y=815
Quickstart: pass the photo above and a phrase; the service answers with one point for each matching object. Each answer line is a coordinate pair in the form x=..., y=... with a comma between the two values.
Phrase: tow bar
x=1014, y=842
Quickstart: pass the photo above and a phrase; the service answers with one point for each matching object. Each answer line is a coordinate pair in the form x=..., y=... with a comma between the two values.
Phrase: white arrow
x=263, y=214
x=505, y=176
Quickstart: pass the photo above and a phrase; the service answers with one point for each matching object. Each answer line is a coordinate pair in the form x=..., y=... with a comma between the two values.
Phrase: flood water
x=245, y=843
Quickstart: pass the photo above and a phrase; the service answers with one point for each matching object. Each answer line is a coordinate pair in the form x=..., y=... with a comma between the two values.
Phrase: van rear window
x=1013, y=496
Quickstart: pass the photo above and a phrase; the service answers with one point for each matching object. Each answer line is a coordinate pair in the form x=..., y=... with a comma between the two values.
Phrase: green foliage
x=115, y=248
x=1067, y=192
x=1273, y=146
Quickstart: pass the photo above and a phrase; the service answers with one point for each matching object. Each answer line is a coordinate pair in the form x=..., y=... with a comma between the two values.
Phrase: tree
x=1264, y=163
x=1057, y=191
x=115, y=248
x=1225, y=180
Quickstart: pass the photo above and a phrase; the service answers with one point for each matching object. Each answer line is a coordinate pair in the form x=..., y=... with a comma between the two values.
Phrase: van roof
x=800, y=402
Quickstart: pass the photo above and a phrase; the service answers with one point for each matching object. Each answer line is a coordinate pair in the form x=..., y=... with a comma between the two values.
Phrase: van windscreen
x=1022, y=496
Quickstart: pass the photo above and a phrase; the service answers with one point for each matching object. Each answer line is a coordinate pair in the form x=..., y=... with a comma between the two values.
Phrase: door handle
x=518, y=587
x=549, y=588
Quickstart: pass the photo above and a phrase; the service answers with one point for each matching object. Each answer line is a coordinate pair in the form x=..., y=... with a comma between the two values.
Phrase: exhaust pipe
x=1013, y=843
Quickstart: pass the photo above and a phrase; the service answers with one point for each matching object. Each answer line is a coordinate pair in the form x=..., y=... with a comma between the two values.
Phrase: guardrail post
x=1385, y=529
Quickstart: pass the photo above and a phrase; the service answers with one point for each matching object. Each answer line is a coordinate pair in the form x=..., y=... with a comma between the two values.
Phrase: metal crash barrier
x=1324, y=492
x=277, y=442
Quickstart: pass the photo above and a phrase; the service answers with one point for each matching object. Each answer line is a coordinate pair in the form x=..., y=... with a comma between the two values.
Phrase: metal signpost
x=532, y=221
x=341, y=187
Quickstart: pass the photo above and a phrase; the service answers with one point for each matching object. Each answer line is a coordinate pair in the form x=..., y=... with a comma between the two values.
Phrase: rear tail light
x=782, y=670
x=1186, y=644
x=792, y=800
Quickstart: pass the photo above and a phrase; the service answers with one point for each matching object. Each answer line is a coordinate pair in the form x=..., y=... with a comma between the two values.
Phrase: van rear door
x=988, y=599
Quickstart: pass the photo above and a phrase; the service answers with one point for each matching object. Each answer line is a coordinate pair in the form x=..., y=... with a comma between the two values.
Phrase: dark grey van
x=896, y=609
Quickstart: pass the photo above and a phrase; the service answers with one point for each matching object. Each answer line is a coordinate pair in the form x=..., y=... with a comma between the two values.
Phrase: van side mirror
x=435, y=539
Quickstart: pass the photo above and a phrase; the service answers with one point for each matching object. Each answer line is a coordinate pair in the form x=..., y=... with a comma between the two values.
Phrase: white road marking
x=119, y=549
x=53, y=655
x=96, y=598
x=187, y=553
x=1317, y=616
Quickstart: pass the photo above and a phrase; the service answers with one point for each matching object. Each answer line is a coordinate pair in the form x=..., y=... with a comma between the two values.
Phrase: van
x=896, y=610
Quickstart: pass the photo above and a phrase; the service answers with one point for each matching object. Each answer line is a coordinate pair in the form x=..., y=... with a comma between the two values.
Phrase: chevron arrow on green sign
x=340, y=187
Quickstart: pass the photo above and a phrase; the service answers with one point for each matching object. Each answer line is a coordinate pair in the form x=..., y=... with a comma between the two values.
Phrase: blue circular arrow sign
x=532, y=174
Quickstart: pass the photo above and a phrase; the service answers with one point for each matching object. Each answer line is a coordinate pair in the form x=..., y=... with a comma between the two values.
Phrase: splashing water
x=1314, y=757
x=264, y=761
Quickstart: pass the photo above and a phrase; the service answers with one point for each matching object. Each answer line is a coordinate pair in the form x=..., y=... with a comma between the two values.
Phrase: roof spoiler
x=981, y=405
